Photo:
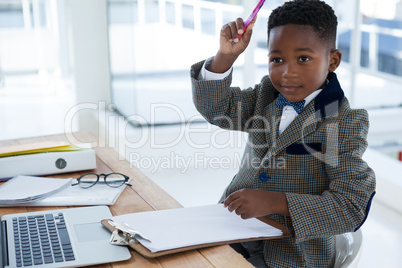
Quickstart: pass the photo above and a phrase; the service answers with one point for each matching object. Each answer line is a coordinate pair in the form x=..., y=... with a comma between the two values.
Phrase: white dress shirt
x=288, y=113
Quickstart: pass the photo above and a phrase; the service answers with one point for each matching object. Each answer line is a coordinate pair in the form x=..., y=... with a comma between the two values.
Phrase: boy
x=297, y=116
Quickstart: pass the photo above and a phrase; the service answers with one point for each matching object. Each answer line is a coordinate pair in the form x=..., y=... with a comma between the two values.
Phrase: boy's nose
x=289, y=71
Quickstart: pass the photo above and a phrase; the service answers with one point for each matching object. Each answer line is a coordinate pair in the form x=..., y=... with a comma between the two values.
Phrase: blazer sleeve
x=345, y=205
x=219, y=103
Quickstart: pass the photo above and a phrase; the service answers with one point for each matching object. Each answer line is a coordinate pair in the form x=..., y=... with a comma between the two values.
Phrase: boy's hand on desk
x=251, y=203
x=230, y=45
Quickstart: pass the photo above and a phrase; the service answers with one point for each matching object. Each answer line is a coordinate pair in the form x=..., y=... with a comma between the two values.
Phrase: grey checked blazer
x=316, y=161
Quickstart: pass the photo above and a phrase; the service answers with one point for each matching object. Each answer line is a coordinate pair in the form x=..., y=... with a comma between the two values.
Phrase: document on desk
x=24, y=189
x=177, y=228
x=99, y=194
x=41, y=191
x=41, y=147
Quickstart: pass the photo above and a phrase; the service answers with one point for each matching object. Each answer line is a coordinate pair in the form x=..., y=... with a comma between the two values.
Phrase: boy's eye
x=304, y=59
x=276, y=60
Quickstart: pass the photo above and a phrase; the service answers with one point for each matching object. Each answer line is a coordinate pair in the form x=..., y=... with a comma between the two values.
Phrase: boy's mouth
x=290, y=87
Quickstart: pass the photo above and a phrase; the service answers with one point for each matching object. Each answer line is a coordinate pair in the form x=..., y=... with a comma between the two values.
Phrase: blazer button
x=264, y=177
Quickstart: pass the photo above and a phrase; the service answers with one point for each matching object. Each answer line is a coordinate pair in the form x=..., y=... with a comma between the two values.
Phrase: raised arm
x=220, y=104
x=230, y=46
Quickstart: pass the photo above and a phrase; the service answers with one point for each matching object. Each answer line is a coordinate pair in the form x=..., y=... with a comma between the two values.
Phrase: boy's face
x=299, y=61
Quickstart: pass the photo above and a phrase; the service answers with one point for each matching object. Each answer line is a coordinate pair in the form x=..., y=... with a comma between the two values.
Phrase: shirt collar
x=310, y=97
x=331, y=94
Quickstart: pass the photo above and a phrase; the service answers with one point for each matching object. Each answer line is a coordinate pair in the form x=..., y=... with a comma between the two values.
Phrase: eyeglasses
x=114, y=180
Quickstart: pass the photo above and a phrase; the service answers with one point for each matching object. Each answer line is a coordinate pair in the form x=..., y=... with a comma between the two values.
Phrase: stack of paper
x=177, y=228
x=41, y=147
x=99, y=194
x=39, y=191
x=23, y=189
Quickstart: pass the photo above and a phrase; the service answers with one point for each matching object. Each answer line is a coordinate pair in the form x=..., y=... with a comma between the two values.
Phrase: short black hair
x=317, y=14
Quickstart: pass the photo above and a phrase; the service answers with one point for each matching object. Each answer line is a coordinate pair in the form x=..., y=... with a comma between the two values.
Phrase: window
x=33, y=68
x=154, y=43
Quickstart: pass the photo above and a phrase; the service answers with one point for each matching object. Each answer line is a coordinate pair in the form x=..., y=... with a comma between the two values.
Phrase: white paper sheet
x=176, y=228
x=29, y=188
x=99, y=194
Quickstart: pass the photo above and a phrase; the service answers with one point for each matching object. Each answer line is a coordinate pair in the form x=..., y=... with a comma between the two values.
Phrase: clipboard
x=120, y=237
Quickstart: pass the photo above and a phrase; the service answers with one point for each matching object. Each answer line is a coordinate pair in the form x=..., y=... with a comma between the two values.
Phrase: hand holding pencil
x=234, y=39
x=252, y=16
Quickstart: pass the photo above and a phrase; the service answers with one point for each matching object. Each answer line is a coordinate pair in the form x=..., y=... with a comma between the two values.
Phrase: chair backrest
x=348, y=249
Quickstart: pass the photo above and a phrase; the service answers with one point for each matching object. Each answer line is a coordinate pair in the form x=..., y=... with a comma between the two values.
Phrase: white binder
x=47, y=163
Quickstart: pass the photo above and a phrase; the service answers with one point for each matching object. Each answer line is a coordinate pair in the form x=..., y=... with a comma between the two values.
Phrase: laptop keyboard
x=41, y=239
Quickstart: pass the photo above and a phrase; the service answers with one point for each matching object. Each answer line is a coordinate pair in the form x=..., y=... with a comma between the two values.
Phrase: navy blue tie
x=298, y=106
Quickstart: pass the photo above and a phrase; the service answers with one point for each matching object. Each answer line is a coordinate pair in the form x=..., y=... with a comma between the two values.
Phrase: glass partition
x=153, y=43
x=152, y=49
x=34, y=68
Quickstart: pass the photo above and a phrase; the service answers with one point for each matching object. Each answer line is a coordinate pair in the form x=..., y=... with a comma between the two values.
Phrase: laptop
x=58, y=238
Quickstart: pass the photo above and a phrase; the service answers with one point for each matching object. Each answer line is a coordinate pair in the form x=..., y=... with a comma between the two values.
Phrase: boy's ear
x=334, y=60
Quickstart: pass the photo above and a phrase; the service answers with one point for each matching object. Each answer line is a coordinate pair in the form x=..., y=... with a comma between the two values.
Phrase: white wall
x=87, y=28
x=388, y=177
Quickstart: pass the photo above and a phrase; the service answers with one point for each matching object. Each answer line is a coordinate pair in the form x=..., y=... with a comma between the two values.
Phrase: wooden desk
x=144, y=195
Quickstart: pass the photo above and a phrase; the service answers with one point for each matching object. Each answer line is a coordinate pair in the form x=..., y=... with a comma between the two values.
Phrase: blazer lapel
x=324, y=105
x=304, y=124
x=272, y=124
